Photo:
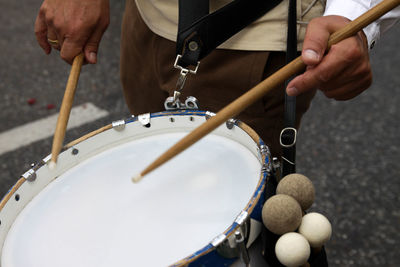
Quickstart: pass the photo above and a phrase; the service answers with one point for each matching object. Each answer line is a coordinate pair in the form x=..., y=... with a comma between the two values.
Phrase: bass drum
x=87, y=212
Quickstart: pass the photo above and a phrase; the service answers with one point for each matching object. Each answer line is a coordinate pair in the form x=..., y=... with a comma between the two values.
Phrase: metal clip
x=218, y=240
x=190, y=103
x=242, y=217
x=182, y=78
x=176, y=66
x=144, y=119
x=118, y=125
x=230, y=123
x=266, y=166
x=47, y=159
x=30, y=175
x=276, y=166
x=209, y=114
x=264, y=150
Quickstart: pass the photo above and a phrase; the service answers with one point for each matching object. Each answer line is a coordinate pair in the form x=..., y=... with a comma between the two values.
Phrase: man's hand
x=343, y=72
x=77, y=25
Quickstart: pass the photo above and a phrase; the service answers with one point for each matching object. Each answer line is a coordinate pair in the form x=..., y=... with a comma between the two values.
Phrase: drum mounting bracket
x=190, y=103
x=234, y=245
x=276, y=168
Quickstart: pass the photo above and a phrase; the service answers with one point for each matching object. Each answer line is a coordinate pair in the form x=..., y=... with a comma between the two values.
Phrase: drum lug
x=191, y=103
x=230, y=123
x=243, y=252
x=216, y=242
x=118, y=125
x=233, y=246
x=264, y=151
x=276, y=167
x=170, y=105
x=144, y=119
x=30, y=175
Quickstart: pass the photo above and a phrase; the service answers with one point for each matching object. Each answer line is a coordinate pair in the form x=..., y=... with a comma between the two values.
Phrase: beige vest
x=266, y=34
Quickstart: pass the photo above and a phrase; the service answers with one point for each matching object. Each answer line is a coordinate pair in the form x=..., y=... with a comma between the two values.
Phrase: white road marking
x=34, y=131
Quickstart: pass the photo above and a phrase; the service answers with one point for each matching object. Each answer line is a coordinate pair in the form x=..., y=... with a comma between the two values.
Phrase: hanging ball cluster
x=282, y=214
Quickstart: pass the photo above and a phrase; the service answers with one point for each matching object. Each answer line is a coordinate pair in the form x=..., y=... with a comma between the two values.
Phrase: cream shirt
x=269, y=32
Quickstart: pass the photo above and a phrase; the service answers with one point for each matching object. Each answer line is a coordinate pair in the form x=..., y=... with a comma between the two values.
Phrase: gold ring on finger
x=52, y=42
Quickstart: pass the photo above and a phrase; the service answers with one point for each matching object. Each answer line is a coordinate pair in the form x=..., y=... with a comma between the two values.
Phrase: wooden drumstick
x=294, y=67
x=65, y=109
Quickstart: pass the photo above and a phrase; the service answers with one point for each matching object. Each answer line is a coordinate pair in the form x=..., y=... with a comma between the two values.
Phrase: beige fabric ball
x=292, y=249
x=299, y=187
x=316, y=228
x=281, y=214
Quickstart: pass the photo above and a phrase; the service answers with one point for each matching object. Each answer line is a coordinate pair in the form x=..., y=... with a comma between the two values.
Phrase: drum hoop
x=248, y=210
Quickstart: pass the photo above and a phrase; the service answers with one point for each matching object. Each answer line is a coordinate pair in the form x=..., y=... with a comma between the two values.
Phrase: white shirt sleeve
x=351, y=9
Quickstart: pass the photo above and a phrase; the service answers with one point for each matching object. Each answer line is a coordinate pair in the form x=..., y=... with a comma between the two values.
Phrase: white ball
x=292, y=249
x=316, y=228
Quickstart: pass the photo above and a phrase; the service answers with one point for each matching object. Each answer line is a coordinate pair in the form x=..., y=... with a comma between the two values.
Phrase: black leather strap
x=190, y=11
x=288, y=136
x=208, y=31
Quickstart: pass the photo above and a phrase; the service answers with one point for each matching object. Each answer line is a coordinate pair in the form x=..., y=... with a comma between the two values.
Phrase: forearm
x=351, y=9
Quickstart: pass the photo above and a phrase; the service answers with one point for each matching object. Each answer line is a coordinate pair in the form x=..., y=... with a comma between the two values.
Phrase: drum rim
x=246, y=212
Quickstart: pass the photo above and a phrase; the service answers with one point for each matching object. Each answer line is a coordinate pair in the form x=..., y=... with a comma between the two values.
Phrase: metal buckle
x=176, y=66
x=294, y=134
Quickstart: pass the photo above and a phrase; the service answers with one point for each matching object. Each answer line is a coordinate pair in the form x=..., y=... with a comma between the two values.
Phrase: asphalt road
x=349, y=149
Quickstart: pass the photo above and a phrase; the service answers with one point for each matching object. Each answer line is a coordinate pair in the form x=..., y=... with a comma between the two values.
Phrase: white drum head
x=93, y=215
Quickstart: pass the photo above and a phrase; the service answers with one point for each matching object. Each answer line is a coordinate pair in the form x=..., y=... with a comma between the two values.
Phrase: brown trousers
x=148, y=78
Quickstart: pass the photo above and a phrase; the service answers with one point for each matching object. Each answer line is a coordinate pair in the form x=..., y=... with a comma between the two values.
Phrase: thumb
x=41, y=33
x=315, y=42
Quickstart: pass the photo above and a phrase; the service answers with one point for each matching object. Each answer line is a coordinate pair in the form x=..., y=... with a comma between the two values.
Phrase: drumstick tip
x=136, y=179
x=52, y=165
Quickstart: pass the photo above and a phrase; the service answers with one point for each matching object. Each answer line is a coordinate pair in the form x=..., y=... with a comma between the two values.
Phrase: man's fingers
x=341, y=65
x=52, y=38
x=314, y=77
x=71, y=47
x=349, y=90
x=41, y=33
x=92, y=45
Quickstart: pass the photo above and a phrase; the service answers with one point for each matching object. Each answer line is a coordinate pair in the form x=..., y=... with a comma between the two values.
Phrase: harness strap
x=200, y=32
x=289, y=133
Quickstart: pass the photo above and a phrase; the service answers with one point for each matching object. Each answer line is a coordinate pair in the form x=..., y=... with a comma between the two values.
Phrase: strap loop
x=288, y=137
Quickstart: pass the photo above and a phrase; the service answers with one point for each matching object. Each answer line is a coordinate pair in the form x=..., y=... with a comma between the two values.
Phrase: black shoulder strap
x=200, y=32
x=289, y=133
